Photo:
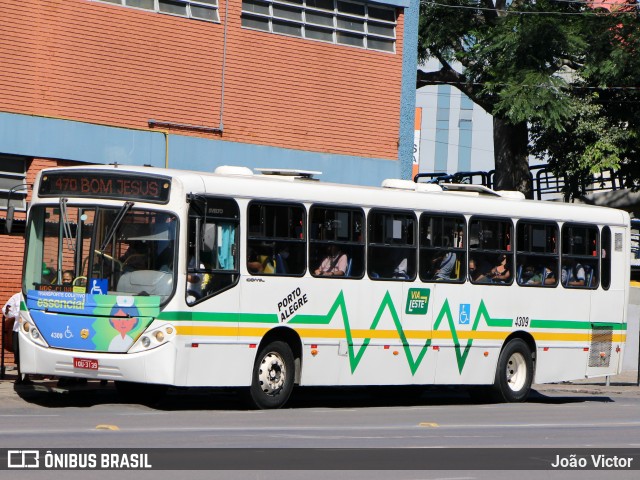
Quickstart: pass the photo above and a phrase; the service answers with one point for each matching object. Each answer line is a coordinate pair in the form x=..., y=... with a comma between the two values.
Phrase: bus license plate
x=85, y=363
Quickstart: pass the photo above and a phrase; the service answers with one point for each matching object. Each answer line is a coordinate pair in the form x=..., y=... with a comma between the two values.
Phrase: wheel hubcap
x=272, y=373
x=516, y=372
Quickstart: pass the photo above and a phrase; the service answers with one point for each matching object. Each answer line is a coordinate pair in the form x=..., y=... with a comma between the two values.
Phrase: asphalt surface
x=621, y=386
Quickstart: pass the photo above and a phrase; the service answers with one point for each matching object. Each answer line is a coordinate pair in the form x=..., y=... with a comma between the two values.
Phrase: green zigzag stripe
x=387, y=303
x=339, y=303
x=461, y=356
x=356, y=356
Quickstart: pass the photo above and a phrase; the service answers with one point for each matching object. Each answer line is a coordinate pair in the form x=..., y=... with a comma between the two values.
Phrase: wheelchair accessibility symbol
x=99, y=286
x=465, y=314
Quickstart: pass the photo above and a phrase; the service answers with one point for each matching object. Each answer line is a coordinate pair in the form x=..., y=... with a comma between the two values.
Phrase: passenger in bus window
x=67, y=277
x=135, y=258
x=401, y=269
x=478, y=271
x=538, y=276
x=572, y=273
x=443, y=264
x=501, y=273
x=254, y=265
x=334, y=264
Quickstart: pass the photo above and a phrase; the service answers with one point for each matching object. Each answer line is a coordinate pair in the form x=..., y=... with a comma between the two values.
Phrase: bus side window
x=580, y=256
x=337, y=239
x=392, y=245
x=536, y=256
x=442, y=252
x=605, y=257
x=490, y=251
x=212, y=250
x=276, y=242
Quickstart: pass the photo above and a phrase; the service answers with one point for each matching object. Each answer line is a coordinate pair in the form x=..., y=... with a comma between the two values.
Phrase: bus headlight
x=154, y=338
x=32, y=332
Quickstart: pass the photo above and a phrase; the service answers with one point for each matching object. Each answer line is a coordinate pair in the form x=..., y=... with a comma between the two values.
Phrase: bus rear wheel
x=273, y=376
x=515, y=372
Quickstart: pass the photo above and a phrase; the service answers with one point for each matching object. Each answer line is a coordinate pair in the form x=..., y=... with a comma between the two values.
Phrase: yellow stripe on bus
x=211, y=331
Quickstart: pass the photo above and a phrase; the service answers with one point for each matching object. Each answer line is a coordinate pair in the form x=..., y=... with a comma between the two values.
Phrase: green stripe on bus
x=386, y=305
x=219, y=317
x=574, y=324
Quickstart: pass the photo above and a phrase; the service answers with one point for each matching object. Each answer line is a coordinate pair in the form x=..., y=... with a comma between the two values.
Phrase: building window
x=198, y=9
x=13, y=174
x=352, y=23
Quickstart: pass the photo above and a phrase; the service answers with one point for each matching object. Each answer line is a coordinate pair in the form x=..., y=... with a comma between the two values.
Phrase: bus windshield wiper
x=116, y=223
x=66, y=226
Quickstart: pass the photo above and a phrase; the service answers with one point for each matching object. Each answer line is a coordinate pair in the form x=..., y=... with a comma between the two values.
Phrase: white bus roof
x=240, y=182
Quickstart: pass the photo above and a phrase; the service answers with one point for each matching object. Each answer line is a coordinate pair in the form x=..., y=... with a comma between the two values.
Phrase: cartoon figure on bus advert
x=123, y=323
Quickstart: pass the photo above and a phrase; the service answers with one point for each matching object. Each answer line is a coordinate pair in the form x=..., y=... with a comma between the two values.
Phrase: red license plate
x=85, y=363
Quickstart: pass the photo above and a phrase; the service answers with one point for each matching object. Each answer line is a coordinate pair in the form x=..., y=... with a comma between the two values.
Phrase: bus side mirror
x=208, y=237
x=9, y=220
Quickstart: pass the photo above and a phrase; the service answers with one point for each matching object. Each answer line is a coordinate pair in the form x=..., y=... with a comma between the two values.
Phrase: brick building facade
x=324, y=85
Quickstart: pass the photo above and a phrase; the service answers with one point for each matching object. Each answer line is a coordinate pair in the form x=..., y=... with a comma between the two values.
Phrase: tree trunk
x=511, y=158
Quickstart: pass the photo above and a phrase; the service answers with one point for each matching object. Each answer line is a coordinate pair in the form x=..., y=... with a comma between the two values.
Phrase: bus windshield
x=100, y=250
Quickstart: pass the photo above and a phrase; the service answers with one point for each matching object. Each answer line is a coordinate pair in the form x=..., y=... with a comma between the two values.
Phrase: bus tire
x=514, y=373
x=273, y=376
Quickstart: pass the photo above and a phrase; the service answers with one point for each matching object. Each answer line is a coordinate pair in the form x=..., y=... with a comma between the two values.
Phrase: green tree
x=603, y=132
x=519, y=61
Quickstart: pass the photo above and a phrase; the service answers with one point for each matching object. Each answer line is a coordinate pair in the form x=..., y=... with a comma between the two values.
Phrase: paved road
x=577, y=414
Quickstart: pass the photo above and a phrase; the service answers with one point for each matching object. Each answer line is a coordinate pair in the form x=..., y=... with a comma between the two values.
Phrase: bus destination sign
x=100, y=184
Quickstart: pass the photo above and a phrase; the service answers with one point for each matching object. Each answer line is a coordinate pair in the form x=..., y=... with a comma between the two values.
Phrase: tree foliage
x=548, y=67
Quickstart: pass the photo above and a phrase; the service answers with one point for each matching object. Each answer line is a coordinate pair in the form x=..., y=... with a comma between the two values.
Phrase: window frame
x=334, y=30
x=458, y=218
x=374, y=245
x=277, y=240
x=199, y=220
x=351, y=244
x=18, y=196
x=508, y=251
x=563, y=255
x=544, y=255
x=609, y=264
x=188, y=10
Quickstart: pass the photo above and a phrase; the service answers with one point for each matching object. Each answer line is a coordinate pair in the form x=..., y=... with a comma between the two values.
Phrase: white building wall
x=436, y=149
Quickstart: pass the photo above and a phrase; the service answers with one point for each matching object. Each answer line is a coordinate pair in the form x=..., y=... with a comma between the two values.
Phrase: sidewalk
x=623, y=384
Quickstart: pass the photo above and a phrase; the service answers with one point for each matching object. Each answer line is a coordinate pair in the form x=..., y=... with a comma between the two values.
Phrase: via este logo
x=23, y=459
x=417, y=301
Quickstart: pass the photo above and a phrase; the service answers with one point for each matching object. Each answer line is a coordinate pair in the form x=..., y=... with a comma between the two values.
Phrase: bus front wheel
x=515, y=372
x=273, y=374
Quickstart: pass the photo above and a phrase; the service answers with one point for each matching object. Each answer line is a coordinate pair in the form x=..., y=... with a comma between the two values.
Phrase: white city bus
x=236, y=279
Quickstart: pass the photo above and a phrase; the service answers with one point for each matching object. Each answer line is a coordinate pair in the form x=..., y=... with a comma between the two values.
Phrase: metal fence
x=545, y=185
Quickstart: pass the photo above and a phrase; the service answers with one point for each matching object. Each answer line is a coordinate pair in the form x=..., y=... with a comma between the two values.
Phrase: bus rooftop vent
x=513, y=194
x=399, y=184
x=232, y=170
x=289, y=172
x=428, y=187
